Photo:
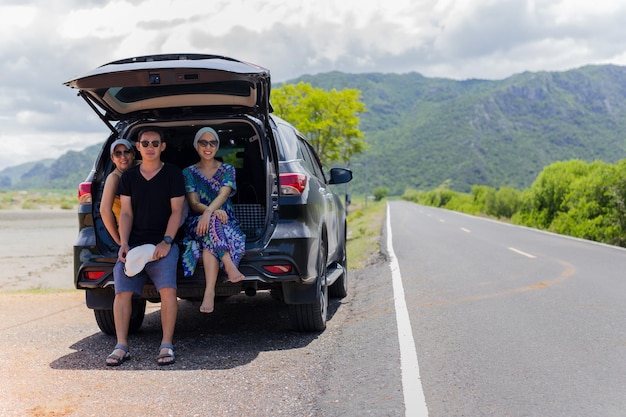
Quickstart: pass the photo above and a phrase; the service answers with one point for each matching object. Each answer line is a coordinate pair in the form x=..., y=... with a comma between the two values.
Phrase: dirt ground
x=36, y=249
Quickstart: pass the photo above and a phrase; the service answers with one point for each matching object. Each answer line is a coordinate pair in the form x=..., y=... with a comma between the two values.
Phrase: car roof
x=194, y=83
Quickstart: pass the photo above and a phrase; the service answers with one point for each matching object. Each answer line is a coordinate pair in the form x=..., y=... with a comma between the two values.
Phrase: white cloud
x=15, y=18
x=44, y=43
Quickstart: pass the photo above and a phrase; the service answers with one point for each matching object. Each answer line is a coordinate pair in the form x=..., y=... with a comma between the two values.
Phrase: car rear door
x=158, y=85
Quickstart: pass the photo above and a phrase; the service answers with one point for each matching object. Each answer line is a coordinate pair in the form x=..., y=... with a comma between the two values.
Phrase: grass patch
x=38, y=200
x=365, y=224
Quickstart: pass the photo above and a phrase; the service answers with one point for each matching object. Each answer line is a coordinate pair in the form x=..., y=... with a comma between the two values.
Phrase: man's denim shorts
x=162, y=273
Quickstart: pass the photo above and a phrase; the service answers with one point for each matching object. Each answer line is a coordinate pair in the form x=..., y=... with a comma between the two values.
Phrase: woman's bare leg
x=211, y=268
x=234, y=275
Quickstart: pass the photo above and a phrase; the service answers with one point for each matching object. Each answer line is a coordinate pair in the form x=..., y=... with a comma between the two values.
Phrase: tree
x=546, y=197
x=328, y=119
x=380, y=193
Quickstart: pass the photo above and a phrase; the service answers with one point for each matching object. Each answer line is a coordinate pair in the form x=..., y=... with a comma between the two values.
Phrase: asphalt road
x=510, y=321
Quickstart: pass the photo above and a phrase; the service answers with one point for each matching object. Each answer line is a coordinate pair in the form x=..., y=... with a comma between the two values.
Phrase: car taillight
x=278, y=269
x=94, y=275
x=84, y=193
x=292, y=184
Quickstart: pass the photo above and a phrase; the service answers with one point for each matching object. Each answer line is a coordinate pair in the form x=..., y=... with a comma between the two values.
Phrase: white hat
x=124, y=142
x=137, y=258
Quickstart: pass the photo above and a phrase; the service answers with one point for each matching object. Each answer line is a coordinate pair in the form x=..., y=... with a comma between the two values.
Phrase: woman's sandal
x=116, y=360
x=168, y=355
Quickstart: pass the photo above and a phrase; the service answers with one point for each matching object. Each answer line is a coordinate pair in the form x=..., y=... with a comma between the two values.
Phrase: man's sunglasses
x=205, y=143
x=146, y=143
x=124, y=152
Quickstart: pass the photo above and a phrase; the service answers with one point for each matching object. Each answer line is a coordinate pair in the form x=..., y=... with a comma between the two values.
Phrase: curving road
x=511, y=321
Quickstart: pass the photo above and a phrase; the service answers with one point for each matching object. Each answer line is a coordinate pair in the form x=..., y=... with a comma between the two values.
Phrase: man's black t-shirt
x=150, y=201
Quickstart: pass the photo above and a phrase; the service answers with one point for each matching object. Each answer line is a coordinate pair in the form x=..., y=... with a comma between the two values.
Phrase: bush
x=380, y=193
x=574, y=198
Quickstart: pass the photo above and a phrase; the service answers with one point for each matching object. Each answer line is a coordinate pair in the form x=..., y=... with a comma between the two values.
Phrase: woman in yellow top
x=123, y=157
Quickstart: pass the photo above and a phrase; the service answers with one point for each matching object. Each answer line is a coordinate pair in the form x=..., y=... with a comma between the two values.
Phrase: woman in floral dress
x=212, y=231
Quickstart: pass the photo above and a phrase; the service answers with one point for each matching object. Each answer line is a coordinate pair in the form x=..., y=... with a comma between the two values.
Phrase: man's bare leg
x=122, y=309
x=169, y=311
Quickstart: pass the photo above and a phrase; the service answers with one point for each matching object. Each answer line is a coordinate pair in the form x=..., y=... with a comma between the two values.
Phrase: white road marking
x=414, y=400
x=466, y=230
x=522, y=253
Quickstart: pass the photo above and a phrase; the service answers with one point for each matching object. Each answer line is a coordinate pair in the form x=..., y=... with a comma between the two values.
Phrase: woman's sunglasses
x=205, y=143
x=146, y=143
x=124, y=152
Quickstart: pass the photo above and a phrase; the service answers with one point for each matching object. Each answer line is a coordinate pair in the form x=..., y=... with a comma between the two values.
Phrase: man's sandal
x=116, y=360
x=169, y=355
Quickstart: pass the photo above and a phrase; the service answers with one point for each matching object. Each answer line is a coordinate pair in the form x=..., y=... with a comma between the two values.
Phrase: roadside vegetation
x=574, y=198
x=365, y=222
x=38, y=200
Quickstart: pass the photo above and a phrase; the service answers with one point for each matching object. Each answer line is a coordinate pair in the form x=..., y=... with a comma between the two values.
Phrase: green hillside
x=424, y=131
x=66, y=172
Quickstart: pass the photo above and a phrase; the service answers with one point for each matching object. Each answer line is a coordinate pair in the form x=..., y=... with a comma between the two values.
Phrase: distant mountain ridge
x=423, y=131
x=65, y=172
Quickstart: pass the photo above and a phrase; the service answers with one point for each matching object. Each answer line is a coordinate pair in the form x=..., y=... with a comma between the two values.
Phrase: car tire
x=106, y=321
x=312, y=317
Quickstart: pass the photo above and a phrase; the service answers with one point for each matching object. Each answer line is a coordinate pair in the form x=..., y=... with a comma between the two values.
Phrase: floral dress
x=221, y=237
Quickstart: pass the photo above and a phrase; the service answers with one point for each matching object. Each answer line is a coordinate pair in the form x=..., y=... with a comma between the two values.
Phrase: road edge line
x=414, y=399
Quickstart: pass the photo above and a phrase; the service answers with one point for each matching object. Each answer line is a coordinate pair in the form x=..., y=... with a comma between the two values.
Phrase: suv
x=295, y=224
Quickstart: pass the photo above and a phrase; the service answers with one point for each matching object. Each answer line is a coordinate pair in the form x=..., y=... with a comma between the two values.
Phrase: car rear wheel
x=106, y=321
x=312, y=317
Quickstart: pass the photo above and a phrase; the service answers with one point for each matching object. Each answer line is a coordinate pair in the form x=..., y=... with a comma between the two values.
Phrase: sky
x=44, y=43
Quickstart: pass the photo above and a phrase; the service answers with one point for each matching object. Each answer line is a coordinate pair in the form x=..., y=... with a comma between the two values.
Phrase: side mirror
x=340, y=176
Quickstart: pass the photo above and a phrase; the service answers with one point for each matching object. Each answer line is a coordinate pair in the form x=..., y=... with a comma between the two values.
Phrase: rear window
x=288, y=147
x=134, y=94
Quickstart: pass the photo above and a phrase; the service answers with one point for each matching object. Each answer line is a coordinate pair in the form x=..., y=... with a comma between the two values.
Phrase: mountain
x=65, y=172
x=423, y=131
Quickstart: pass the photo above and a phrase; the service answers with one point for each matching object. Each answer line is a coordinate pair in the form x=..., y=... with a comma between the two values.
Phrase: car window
x=311, y=159
x=296, y=148
x=288, y=148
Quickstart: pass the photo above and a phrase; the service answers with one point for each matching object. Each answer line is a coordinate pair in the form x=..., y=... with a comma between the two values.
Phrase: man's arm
x=177, y=215
x=163, y=248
